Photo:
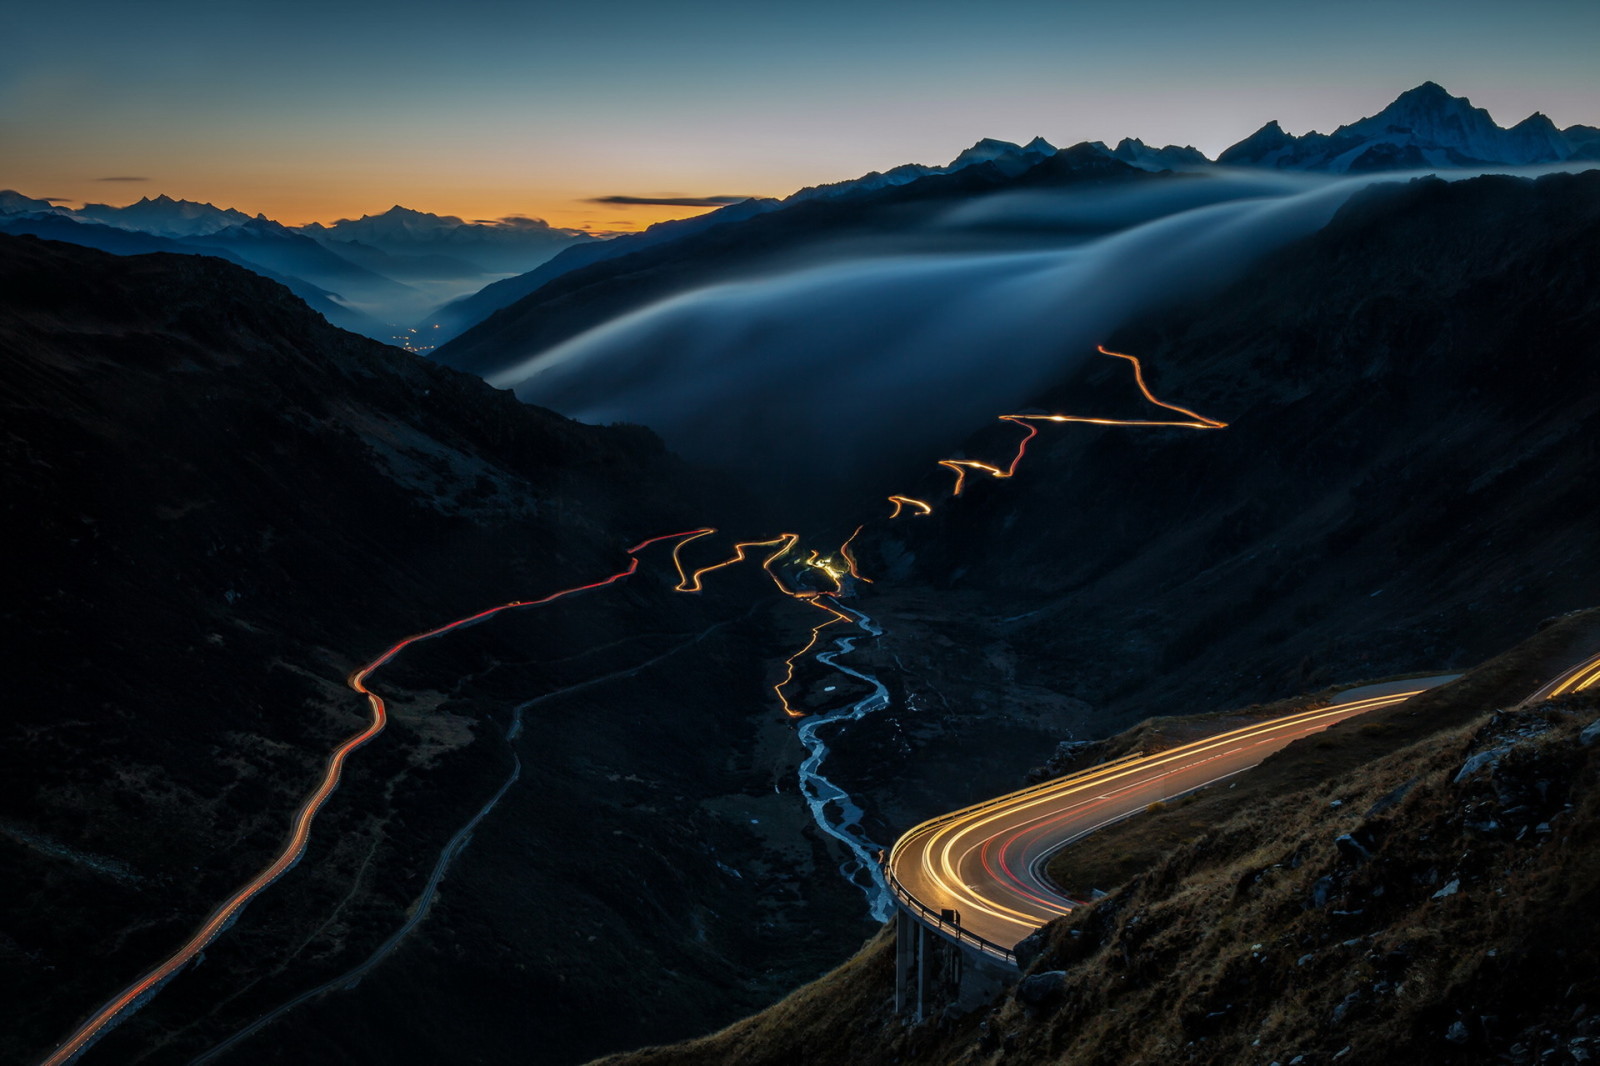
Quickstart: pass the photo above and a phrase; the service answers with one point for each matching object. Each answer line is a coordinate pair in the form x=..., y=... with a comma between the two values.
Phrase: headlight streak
x=960, y=466
x=849, y=559
x=945, y=846
x=902, y=502
x=1004, y=843
x=1583, y=677
x=300, y=831
x=689, y=581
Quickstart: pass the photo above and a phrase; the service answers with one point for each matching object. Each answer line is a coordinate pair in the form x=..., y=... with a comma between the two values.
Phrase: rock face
x=220, y=505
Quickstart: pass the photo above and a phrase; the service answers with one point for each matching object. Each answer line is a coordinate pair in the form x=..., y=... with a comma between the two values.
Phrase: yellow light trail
x=1580, y=678
x=849, y=559
x=938, y=856
x=300, y=829
x=1195, y=421
x=901, y=502
x=821, y=603
x=688, y=581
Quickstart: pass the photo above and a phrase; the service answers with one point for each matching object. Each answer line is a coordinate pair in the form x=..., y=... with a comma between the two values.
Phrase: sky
x=314, y=111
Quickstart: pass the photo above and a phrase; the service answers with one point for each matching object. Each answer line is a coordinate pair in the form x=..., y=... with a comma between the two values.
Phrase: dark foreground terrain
x=1418, y=886
x=223, y=505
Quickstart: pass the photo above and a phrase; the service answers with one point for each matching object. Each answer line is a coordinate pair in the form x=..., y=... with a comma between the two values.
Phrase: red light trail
x=961, y=466
x=689, y=581
x=300, y=831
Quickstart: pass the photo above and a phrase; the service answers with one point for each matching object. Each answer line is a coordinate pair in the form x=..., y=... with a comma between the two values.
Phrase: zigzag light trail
x=961, y=466
x=690, y=581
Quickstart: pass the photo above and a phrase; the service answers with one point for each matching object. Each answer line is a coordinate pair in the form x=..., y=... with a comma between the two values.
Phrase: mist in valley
x=835, y=367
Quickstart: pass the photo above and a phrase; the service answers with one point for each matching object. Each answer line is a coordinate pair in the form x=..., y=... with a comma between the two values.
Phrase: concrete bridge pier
x=932, y=972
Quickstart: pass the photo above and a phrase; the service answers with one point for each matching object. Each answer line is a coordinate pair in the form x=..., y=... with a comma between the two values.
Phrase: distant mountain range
x=1424, y=127
x=378, y=273
x=371, y=275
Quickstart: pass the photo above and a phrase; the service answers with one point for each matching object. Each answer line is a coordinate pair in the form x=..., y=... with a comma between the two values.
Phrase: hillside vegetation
x=1420, y=886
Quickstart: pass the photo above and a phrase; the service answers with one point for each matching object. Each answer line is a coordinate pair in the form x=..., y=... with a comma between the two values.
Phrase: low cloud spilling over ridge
x=861, y=356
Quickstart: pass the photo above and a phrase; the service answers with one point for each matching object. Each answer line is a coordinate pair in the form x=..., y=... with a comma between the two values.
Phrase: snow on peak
x=1424, y=126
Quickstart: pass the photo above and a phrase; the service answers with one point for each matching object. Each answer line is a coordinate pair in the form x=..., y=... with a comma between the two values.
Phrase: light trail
x=1195, y=421
x=294, y=846
x=822, y=603
x=849, y=559
x=986, y=861
x=690, y=581
x=1578, y=678
x=902, y=502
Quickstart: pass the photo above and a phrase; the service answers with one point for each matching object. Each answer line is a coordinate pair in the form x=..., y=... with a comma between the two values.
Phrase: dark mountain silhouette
x=1423, y=127
x=119, y=241
x=222, y=504
x=569, y=303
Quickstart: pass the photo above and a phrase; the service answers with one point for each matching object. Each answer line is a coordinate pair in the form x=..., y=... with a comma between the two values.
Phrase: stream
x=823, y=796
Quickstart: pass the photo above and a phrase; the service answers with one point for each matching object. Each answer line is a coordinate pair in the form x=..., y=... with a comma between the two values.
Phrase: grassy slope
x=1262, y=929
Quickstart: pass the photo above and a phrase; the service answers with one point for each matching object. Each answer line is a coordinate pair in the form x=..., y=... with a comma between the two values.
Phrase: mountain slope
x=220, y=506
x=1432, y=900
x=586, y=297
x=1413, y=399
x=120, y=241
x=458, y=315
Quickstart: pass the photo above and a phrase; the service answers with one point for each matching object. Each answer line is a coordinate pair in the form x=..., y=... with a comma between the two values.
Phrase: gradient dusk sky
x=314, y=111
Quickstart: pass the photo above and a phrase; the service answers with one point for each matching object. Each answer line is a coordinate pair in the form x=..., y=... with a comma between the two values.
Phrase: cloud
x=121, y=178
x=671, y=201
x=514, y=222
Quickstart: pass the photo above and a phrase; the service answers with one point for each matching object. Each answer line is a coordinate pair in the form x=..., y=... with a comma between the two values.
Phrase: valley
x=910, y=529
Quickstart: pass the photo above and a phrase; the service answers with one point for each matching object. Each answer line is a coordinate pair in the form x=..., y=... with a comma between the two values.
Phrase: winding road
x=982, y=867
x=976, y=875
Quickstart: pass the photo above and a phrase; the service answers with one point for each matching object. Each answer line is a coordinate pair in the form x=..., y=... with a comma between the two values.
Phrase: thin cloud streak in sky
x=121, y=178
x=672, y=201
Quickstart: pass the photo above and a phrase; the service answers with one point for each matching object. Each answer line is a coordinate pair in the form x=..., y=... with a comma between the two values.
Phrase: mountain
x=499, y=246
x=318, y=262
x=1390, y=433
x=467, y=311
x=1404, y=485
x=1009, y=158
x=1417, y=885
x=459, y=315
x=165, y=217
x=1423, y=127
x=14, y=203
x=121, y=241
x=229, y=504
x=583, y=297
x=282, y=250
x=1146, y=157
